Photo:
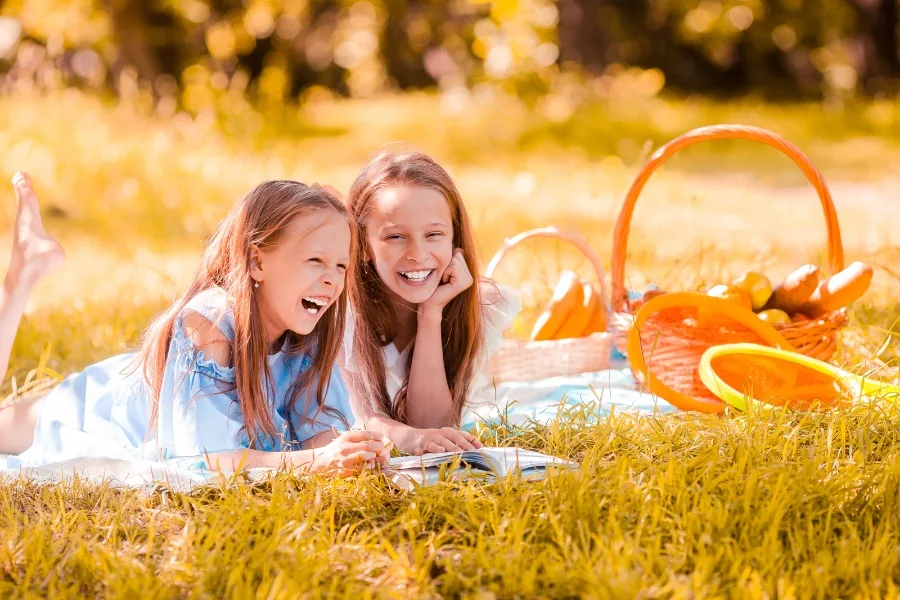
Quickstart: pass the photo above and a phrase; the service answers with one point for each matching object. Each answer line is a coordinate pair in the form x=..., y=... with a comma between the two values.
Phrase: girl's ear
x=256, y=270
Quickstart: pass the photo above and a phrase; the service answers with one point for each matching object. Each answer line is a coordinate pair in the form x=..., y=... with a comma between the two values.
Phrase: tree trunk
x=583, y=37
x=130, y=27
x=878, y=22
x=404, y=63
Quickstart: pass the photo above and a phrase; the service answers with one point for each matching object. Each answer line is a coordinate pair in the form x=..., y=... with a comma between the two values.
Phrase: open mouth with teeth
x=416, y=276
x=314, y=304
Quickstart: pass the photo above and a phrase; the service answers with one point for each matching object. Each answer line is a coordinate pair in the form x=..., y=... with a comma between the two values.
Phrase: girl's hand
x=445, y=439
x=454, y=281
x=350, y=453
x=384, y=455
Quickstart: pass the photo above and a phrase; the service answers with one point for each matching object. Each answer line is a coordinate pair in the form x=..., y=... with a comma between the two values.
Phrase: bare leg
x=34, y=255
x=17, y=424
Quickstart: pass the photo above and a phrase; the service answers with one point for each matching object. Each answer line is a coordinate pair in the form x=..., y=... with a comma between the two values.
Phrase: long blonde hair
x=258, y=220
x=374, y=316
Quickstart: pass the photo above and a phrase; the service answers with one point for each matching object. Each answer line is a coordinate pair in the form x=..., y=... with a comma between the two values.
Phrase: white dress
x=499, y=311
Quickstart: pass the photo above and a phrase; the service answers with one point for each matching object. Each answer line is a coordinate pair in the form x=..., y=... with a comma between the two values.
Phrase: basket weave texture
x=520, y=360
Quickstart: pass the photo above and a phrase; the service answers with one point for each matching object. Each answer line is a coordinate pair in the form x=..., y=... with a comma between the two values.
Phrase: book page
x=498, y=460
x=471, y=459
x=508, y=460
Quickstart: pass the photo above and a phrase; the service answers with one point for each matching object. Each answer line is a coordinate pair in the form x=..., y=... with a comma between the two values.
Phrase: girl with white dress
x=418, y=343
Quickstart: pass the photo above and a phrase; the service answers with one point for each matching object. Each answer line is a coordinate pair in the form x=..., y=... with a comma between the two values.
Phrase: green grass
x=683, y=506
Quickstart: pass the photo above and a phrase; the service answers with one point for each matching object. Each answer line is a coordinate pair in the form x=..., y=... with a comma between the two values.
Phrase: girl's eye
x=436, y=234
x=316, y=260
x=342, y=266
x=395, y=236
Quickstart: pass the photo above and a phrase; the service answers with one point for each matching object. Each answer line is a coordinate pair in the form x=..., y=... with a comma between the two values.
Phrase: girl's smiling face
x=410, y=240
x=302, y=276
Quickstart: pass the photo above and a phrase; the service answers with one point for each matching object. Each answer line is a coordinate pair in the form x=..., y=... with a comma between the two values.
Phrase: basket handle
x=550, y=232
x=718, y=132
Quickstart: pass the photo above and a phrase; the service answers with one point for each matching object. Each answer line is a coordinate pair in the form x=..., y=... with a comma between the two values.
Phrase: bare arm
x=430, y=401
x=347, y=454
x=326, y=452
x=408, y=439
x=245, y=458
x=319, y=440
x=395, y=430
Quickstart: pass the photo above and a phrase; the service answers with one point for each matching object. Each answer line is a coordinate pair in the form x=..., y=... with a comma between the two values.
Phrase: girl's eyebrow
x=433, y=224
x=319, y=252
x=344, y=260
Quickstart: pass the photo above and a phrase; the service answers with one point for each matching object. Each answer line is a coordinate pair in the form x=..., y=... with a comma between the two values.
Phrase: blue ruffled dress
x=105, y=409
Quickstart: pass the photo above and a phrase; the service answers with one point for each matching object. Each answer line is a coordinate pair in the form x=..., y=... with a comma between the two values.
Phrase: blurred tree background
x=142, y=120
x=226, y=56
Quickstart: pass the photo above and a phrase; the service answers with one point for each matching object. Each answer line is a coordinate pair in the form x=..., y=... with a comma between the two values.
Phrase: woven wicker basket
x=518, y=360
x=816, y=338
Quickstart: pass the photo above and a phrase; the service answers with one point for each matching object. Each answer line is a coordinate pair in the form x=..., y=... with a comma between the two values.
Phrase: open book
x=489, y=462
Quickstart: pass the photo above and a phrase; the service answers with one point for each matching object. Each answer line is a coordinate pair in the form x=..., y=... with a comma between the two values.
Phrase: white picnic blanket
x=141, y=474
x=515, y=403
x=520, y=403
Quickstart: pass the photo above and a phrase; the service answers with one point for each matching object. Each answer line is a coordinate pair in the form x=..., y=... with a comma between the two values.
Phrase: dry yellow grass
x=682, y=506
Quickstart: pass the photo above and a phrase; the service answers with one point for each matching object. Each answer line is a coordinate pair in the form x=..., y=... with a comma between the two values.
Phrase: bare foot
x=34, y=253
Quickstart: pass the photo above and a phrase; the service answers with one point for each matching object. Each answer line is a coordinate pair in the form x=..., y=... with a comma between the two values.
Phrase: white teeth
x=416, y=275
x=317, y=304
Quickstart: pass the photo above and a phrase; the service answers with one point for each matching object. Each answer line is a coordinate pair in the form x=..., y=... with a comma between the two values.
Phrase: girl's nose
x=415, y=253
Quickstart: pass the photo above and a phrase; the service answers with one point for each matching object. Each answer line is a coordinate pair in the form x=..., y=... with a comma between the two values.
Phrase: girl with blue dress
x=238, y=372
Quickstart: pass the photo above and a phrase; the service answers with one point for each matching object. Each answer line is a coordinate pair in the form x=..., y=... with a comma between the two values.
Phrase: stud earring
x=256, y=284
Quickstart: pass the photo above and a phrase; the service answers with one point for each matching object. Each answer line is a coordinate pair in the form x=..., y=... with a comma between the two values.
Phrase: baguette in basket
x=576, y=309
x=800, y=297
x=570, y=337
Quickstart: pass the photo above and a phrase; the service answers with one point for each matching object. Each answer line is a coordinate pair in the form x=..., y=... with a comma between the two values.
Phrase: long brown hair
x=374, y=315
x=258, y=220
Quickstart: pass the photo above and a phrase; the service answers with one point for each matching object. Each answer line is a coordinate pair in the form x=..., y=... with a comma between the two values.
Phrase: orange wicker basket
x=519, y=360
x=816, y=338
